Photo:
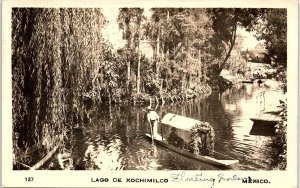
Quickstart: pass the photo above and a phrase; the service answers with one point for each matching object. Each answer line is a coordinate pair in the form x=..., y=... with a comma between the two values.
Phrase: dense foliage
x=56, y=55
x=272, y=28
x=225, y=24
x=280, y=140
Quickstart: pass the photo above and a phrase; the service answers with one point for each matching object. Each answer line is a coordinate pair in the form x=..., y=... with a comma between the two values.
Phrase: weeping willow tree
x=57, y=58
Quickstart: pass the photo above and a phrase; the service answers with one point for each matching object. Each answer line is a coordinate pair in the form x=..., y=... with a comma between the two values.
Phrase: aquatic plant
x=280, y=139
x=202, y=136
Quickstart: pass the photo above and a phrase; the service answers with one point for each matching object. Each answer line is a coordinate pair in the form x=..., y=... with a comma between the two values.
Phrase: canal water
x=114, y=139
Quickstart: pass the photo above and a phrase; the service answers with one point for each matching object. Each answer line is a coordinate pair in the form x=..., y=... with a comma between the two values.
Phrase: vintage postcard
x=149, y=93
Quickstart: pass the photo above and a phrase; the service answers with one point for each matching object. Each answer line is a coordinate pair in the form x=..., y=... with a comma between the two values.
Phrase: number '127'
x=29, y=178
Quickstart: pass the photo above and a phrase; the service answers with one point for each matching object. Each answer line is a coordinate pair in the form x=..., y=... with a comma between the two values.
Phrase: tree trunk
x=138, y=74
x=183, y=82
x=137, y=121
x=128, y=70
x=109, y=107
x=200, y=65
x=138, y=81
x=232, y=42
x=157, y=57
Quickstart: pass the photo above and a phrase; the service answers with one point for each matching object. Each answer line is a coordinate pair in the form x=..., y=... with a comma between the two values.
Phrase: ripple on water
x=116, y=141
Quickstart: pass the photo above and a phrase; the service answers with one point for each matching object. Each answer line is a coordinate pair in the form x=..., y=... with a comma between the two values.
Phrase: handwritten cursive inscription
x=199, y=177
x=180, y=177
x=233, y=178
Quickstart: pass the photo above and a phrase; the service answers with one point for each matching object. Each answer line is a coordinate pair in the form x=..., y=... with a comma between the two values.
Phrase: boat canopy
x=181, y=122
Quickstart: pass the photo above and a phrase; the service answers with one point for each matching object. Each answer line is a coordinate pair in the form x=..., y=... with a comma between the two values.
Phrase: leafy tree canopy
x=272, y=28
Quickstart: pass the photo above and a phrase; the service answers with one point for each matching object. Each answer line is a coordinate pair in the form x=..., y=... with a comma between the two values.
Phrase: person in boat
x=175, y=140
x=153, y=119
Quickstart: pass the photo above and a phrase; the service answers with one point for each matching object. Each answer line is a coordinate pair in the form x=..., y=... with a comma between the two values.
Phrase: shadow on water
x=114, y=139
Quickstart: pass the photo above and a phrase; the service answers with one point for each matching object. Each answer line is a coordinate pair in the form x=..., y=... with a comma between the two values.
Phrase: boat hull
x=221, y=163
x=264, y=121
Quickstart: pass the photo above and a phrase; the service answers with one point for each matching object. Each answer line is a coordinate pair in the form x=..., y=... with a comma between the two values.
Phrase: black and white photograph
x=147, y=88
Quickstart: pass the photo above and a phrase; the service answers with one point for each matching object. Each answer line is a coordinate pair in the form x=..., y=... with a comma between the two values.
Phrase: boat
x=49, y=155
x=269, y=111
x=259, y=130
x=265, y=121
x=44, y=160
x=222, y=161
x=247, y=81
x=267, y=116
x=191, y=138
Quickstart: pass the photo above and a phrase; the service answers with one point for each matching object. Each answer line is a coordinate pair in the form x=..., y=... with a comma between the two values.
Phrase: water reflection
x=114, y=139
x=104, y=153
